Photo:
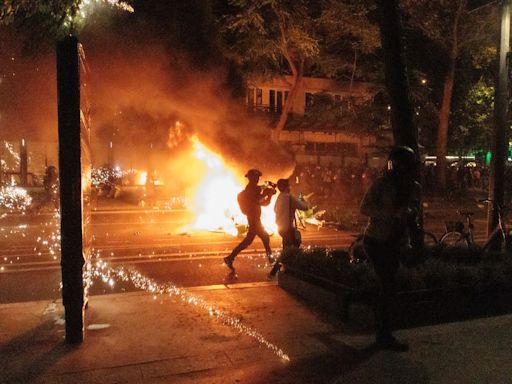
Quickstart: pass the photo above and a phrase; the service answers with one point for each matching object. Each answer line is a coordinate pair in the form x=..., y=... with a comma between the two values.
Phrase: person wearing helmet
x=392, y=205
x=251, y=199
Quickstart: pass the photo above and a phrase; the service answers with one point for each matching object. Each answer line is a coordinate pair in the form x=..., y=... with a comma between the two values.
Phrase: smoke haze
x=138, y=90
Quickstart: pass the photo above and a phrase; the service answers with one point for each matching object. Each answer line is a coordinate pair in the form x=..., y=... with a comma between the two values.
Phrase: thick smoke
x=149, y=102
x=28, y=96
x=138, y=89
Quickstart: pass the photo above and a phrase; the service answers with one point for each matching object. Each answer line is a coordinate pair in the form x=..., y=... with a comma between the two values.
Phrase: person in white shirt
x=285, y=208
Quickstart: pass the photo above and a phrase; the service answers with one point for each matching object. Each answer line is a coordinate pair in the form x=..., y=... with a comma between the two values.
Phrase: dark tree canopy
x=52, y=19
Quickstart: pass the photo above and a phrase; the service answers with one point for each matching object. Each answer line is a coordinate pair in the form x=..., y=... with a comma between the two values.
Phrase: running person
x=251, y=199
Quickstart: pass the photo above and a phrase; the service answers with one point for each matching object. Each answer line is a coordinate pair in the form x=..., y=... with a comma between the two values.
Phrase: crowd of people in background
x=332, y=186
x=343, y=185
x=460, y=179
x=326, y=183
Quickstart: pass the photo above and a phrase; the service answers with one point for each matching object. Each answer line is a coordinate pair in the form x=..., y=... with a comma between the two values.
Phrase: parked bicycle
x=461, y=235
x=458, y=234
x=357, y=253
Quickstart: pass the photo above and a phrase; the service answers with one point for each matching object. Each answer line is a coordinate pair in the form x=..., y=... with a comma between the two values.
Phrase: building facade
x=314, y=143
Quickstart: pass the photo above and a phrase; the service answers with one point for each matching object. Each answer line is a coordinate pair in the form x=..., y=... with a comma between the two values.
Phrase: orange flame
x=215, y=198
x=142, y=178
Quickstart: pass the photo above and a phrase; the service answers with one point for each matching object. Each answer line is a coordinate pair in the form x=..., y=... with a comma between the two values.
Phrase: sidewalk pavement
x=141, y=338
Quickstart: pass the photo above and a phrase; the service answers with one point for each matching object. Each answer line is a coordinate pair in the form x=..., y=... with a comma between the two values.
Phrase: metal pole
x=72, y=259
x=110, y=156
x=1, y=169
x=500, y=137
x=23, y=163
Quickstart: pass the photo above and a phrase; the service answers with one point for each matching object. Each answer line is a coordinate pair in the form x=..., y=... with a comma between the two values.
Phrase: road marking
x=134, y=210
x=214, y=287
x=120, y=260
x=165, y=242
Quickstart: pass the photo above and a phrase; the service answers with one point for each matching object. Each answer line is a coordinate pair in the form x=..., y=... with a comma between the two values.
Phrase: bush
x=420, y=270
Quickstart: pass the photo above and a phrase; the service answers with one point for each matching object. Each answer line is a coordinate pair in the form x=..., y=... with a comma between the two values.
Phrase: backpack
x=243, y=202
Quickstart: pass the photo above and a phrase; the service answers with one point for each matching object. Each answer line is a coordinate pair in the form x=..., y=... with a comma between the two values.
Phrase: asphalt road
x=157, y=244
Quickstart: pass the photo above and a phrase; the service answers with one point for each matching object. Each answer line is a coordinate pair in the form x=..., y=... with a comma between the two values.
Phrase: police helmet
x=283, y=184
x=253, y=173
x=401, y=160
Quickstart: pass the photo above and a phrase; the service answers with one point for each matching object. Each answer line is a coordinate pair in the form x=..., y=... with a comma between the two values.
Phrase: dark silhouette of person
x=392, y=204
x=51, y=185
x=285, y=208
x=252, y=198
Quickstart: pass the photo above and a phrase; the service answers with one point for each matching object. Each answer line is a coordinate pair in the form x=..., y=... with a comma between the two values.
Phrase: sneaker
x=273, y=272
x=391, y=344
x=229, y=262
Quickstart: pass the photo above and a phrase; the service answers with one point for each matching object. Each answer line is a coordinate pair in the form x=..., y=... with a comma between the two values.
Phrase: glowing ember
x=14, y=198
x=10, y=157
x=215, y=199
x=109, y=275
x=49, y=241
x=105, y=176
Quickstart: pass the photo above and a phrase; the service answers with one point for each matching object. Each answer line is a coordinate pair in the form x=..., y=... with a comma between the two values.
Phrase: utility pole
x=500, y=137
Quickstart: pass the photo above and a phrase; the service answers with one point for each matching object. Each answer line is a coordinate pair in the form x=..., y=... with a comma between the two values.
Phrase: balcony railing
x=265, y=108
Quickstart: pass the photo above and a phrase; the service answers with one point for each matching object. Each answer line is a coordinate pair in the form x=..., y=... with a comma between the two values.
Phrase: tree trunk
x=405, y=131
x=397, y=83
x=442, y=130
x=297, y=69
x=444, y=111
x=352, y=79
x=288, y=105
x=502, y=123
x=353, y=75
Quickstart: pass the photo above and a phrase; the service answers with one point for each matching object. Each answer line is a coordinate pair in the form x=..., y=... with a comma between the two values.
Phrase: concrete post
x=72, y=259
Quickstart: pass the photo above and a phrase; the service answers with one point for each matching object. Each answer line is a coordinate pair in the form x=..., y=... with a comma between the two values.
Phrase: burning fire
x=143, y=178
x=215, y=199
